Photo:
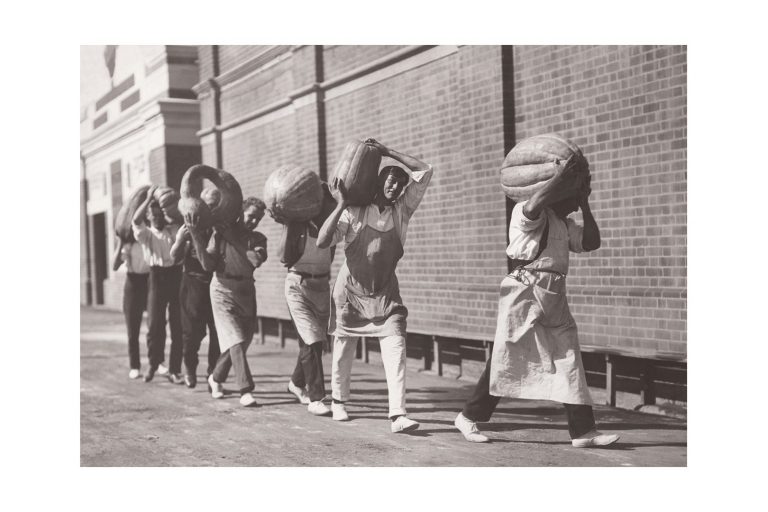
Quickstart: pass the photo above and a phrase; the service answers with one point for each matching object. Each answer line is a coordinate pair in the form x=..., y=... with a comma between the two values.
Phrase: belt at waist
x=203, y=276
x=305, y=275
x=519, y=269
x=158, y=268
x=223, y=275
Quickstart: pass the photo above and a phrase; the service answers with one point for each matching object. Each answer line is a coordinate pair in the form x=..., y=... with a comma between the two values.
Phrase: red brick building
x=461, y=108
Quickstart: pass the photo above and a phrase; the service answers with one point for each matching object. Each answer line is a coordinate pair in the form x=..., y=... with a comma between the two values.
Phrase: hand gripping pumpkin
x=224, y=207
x=534, y=161
x=293, y=193
x=358, y=167
x=124, y=217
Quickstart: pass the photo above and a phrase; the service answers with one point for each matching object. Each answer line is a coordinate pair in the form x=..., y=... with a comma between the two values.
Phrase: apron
x=309, y=298
x=233, y=299
x=536, y=352
x=366, y=297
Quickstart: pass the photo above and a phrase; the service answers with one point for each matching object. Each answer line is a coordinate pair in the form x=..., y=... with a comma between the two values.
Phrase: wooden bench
x=650, y=374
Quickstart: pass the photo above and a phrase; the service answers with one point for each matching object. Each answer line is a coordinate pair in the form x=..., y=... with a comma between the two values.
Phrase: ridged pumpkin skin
x=534, y=161
x=293, y=193
x=230, y=201
x=168, y=200
x=124, y=217
x=358, y=167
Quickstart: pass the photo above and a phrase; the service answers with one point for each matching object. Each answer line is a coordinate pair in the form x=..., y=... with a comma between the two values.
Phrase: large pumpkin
x=224, y=207
x=534, y=161
x=293, y=193
x=124, y=217
x=358, y=168
x=168, y=200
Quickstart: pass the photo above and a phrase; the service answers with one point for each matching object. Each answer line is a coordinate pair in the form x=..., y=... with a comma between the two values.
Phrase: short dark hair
x=395, y=170
x=254, y=201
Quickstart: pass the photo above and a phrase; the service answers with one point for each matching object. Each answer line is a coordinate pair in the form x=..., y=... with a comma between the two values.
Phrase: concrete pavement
x=132, y=423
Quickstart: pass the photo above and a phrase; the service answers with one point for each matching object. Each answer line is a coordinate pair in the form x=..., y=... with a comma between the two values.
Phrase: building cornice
x=244, y=69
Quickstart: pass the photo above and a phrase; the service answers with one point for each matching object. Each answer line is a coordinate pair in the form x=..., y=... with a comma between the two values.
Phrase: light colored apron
x=536, y=352
x=309, y=298
x=233, y=300
x=366, y=295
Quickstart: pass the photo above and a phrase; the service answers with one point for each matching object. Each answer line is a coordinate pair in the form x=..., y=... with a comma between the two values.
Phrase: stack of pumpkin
x=212, y=195
x=166, y=197
x=536, y=160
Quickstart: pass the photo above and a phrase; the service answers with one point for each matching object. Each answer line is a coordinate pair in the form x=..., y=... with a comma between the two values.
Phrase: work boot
x=150, y=374
x=162, y=369
x=190, y=380
x=594, y=438
x=469, y=429
x=403, y=424
x=298, y=392
x=134, y=373
x=175, y=378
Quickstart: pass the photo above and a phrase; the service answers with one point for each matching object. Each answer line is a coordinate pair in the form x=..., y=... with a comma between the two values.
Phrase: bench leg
x=262, y=338
x=364, y=341
x=281, y=333
x=436, y=352
x=647, y=393
x=610, y=384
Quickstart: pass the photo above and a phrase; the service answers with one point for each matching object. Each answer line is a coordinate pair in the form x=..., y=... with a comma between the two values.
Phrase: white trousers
x=393, y=358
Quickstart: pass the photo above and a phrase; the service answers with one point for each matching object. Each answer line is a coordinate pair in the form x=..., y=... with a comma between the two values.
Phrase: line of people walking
x=203, y=278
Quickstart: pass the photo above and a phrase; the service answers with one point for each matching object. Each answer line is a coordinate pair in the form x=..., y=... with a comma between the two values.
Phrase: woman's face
x=392, y=186
x=155, y=216
x=252, y=216
x=565, y=207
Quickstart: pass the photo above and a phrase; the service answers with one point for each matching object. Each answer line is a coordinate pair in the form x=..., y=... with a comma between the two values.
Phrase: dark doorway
x=99, y=256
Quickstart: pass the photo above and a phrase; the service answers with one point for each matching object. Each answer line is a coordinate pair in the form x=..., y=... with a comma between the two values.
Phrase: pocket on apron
x=550, y=296
x=518, y=310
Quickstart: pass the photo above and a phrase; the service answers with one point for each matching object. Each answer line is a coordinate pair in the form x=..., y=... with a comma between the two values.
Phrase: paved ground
x=130, y=423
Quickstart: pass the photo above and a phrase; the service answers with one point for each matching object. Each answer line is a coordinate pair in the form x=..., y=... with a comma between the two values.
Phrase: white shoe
x=299, y=392
x=134, y=374
x=162, y=369
x=594, y=438
x=247, y=400
x=403, y=424
x=217, y=390
x=469, y=429
x=339, y=412
x=318, y=408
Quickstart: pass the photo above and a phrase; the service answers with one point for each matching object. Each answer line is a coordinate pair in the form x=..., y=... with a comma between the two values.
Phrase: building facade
x=141, y=129
x=461, y=108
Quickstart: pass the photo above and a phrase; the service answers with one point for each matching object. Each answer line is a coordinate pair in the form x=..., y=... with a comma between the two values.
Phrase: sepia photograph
x=361, y=255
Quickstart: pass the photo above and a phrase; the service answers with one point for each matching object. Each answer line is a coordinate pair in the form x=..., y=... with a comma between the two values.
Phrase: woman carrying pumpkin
x=196, y=312
x=536, y=351
x=232, y=253
x=134, y=296
x=164, y=280
x=308, y=295
x=366, y=296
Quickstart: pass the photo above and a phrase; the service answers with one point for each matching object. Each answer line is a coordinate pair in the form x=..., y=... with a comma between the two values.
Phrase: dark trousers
x=196, y=315
x=309, y=370
x=134, y=304
x=235, y=356
x=164, y=285
x=481, y=405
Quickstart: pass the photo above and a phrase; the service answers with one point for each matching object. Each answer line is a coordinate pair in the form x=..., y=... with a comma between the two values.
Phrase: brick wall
x=626, y=107
x=447, y=113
